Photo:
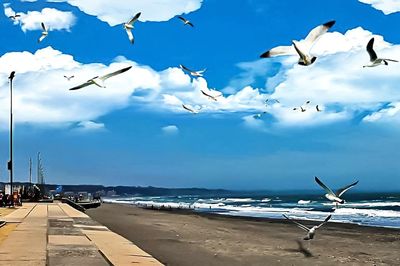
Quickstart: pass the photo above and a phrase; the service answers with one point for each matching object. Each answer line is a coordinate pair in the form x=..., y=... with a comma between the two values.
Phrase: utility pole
x=10, y=163
x=30, y=173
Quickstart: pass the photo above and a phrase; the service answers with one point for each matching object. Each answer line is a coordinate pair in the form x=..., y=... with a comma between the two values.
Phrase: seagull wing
x=201, y=71
x=391, y=60
x=185, y=68
x=87, y=83
x=325, y=221
x=103, y=78
x=41, y=38
x=299, y=52
x=190, y=24
x=130, y=35
x=305, y=228
x=318, y=32
x=279, y=50
x=370, y=50
x=341, y=191
x=317, y=107
x=182, y=18
x=328, y=190
x=134, y=18
x=43, y=27
x=204, y=93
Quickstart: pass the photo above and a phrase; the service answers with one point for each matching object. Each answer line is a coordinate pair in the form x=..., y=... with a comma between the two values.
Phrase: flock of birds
x=301, y=48
x=330, y=195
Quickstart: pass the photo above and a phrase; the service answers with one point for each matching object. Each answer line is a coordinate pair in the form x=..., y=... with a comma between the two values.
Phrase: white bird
x=99, y=81
x=198, y=73
x=211, y=97
x=303, y=47
x=185, y=21
x=373, y=58
x=128, y=26
x=310, y=231
x=44, y=33
x=335, y=197
x=190, y=109
x=69, y=77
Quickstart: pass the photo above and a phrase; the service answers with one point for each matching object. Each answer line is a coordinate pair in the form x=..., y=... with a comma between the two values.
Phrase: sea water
x=370, y=209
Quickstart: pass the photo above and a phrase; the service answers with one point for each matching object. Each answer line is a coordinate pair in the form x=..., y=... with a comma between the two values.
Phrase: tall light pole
x=10, y=163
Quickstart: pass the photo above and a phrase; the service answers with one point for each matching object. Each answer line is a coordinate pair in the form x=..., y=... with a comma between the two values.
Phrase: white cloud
x=386, y=6
x=53, y=19
x=390, y=113
x=170, y=130
x=119, y=11
x=89, y=126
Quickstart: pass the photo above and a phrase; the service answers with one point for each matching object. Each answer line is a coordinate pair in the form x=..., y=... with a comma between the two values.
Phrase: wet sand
x=187, y=238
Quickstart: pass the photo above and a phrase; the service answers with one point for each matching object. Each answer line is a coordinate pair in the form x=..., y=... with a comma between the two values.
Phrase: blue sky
x=135, y=132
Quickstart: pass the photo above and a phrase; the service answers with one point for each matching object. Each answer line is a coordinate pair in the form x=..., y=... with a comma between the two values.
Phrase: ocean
x=369, y=209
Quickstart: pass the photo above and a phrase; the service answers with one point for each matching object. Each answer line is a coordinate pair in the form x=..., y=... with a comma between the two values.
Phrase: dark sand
x=185, y=238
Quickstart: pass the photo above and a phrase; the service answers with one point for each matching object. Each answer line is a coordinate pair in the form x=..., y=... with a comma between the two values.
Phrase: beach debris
x=310, y=231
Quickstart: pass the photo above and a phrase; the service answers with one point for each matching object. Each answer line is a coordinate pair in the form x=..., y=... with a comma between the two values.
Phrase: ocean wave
x=239, y=200
x=304, y=202
x=265, y=200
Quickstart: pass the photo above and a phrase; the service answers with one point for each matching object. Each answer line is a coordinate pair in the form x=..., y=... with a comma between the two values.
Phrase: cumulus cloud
x=54, y=19
x=170, y=130
x=386, y=6
x=119, y=11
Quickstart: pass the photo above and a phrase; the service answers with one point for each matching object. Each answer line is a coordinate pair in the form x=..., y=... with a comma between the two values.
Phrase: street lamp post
x=10, y=163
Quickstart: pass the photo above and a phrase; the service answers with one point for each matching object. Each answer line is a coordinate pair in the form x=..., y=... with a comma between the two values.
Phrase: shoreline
x=183, y=237
x=245, y=217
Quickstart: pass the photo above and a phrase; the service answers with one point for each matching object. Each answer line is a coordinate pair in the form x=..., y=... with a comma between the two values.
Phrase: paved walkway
x=57, y=234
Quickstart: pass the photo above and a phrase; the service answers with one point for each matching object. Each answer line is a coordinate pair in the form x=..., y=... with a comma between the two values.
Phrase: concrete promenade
x=57, y=234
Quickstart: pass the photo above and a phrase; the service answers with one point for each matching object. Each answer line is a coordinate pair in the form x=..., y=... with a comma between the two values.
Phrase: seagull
x=267, y=100
x=373, y=58
x=304, y=52
x=192, y=72
x=190, y=109
x=330, y=195
x=301, y=108
x=44, y=33
x=211, y=96
x=128, y=26
x=185, y=21
x=99, y=81
x=12, y=75
x=15, y=16
x=318, y=109
x=310, y=231
x=69, y=77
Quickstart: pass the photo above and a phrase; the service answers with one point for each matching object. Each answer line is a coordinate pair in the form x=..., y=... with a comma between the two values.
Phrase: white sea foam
x=266, y=200
x=239, y=200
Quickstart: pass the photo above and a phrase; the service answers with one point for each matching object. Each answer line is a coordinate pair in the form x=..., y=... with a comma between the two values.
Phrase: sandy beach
x=186, y=238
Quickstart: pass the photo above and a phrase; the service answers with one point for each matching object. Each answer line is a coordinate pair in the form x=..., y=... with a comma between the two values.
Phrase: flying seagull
x=302, y=48
x=335, y=197
x=318, y=109
x=190, y=109
x=128, y=26
x=212, y=97
x=185, y=21
x=373, y=58
x=44, y=33
x=12, y=75
x=310, y=231
x=99, y=81
x=69, y=77
x=301, y=108
x=14, y=17
x=192, y=72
